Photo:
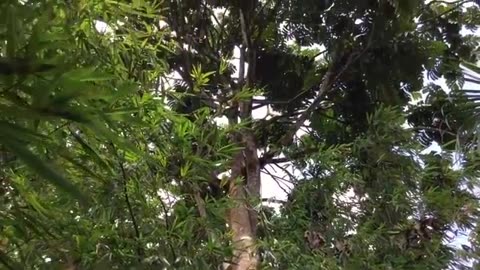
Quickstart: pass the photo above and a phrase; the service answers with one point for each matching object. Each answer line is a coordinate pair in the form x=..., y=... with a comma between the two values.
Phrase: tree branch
x=328, y=80
x=458, y=4
x=433, y=129
x=168, y=224
x=273, y=200
x=276, y=179
x=140, y=251
x=268, y=158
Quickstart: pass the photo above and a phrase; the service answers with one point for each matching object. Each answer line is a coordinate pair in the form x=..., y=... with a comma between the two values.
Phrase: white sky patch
x=433, y=147
x=277, y=181
x=225, y=174
x=187, y=47
x=314, y=46
x=168, y=198
x=221, y=121
x=346, y=197
x=466, y=4
x=303, y=130
x=162, y=24
x=236, y=62
x=102, y=27
x=262, y=112
x=218, y=15
x=171, y=79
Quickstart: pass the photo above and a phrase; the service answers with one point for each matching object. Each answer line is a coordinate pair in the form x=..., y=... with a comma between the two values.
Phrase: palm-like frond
x=455, y=119
x=472, y=75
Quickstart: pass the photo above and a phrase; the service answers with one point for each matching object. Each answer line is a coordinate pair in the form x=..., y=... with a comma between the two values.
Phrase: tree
x=130, y=114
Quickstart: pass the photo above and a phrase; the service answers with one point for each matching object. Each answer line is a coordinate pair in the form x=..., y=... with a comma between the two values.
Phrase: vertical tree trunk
x=245, y=183
x=245, y=187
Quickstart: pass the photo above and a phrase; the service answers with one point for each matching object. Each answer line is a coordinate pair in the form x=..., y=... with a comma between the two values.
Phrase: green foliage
x=377, y=198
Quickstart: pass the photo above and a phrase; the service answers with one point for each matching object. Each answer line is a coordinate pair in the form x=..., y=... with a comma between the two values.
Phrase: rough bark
x=245, y=182
x=240, y=220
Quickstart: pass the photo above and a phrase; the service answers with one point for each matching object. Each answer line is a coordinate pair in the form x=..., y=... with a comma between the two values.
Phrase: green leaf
x=80, y=165
x=8, y=262
x=471, y=66
x=21, y=133
x=89, y=150
x=12, y=30
x=184, y=169
x=104, y=131
x=42, y=169
x=89, y=74
x=32, y=200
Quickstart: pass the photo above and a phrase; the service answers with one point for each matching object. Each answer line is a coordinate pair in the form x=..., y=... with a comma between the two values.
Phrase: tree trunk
x=244, y=187
x=245, y=179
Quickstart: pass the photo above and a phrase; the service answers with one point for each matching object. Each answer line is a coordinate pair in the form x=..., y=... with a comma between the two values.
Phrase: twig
x=140, y=251
x=202, y=210
x=270, y=17
x=168, y=225
x=275, y=178
x=288, y=173
x=328, y=80
x=59, y=127
x=432, y=129
x=241, y=68
x=279, y=160
x=319, y=53
x=273, y=200
x=459, y=4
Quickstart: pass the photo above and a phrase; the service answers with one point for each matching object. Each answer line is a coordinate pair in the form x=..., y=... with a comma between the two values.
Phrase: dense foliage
x=133, y=134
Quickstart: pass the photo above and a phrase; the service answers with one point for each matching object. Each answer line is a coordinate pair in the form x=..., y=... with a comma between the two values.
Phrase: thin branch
x=202, y=210
x=140, y=251
x=221, y=25
x=292, y=177
x=241, y=68
x=268, y=158
x=243, y=26
x=273, y=200
x=269, y=18
x=274, y=118
x=260, y=11
x=332, y=118
x=440, y=2
x=268, y=102
x=459, y=4
x=328, y=80
x=319, y=53
x=168, y=225
x=279, y=160
x=276, y=179
x=324, y=88
x=432, y=129
x=59, y=127
x=258, y=106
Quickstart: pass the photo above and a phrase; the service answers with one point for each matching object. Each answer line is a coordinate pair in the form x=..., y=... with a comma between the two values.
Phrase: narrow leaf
x=42, y=169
